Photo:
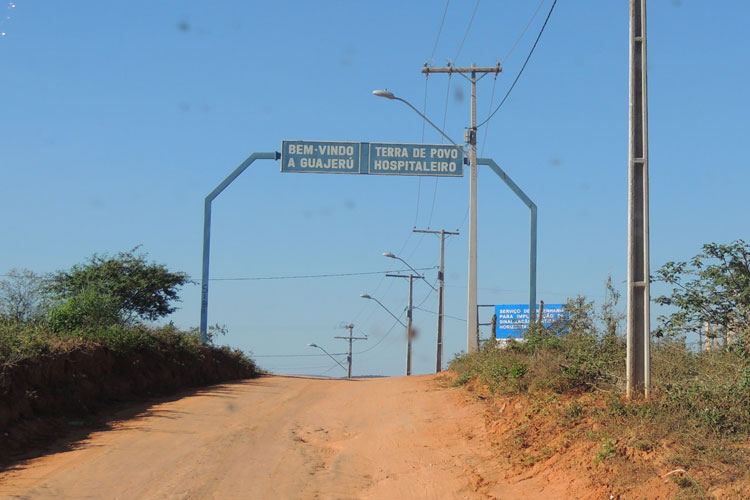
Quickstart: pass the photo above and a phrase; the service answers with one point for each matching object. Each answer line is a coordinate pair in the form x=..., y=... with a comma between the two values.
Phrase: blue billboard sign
x=513, y=319
x=372, y=158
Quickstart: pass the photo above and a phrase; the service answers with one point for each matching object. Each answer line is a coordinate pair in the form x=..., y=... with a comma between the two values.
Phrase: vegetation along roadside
x=557, y=398
x=78, y=340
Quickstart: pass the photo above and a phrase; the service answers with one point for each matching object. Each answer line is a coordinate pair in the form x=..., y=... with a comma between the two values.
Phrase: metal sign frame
x=227, y=181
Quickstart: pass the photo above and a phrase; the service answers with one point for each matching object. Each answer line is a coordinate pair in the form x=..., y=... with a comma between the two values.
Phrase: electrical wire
x=445, y=109
x=533, y=16
x=294, y=355
x=429, y=293
x=328, y=370
x=444, y=315
x=520, y=72
x=392, y=327
x=466, y=216
x=442, y=140
x=492, y=102
x=306, y=276
x=424, y=122
x=432, y=208
x=440, y=30
x=383, y=338
x=377, y=287
x=468, y=28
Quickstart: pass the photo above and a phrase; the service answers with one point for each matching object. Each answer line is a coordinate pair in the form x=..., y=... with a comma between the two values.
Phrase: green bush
x=88, y=310
x=21, y=340
x=692, y=392
x=572, y=361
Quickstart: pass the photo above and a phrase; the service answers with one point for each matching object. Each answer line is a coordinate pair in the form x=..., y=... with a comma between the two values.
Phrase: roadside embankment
x=556, y=408
x=65, y=378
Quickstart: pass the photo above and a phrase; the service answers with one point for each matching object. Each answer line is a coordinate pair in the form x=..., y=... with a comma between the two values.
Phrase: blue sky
x=118, y=118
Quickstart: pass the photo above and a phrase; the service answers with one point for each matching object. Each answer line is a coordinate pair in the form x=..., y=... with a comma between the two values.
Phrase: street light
x=408, y=316
x=389, y=95
x=441, y=273
x=365, y=296
x=329, y=355
x=391, y=256
x=472, y=327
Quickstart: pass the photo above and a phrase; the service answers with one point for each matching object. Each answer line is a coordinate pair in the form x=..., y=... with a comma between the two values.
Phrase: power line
x=391, y=328
x=434, y=197
x=328, y=370
x=468, y=28
x=533, y=16
x=522, y=67
x=429, y=293
x=419, y=178
x=383, y=338
x=492, y=102
x=305, y=276
x=445, y=117
x=294, y=355
x=445, y=11
x=446, y=315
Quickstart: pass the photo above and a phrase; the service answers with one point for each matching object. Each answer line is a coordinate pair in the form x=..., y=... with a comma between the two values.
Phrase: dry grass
x=564, y=397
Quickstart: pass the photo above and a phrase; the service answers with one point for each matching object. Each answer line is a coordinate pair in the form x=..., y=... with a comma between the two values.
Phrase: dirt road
x=287, y=437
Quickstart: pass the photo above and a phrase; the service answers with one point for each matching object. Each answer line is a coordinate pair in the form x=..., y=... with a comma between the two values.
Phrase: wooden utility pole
x=350, y=327
x=638, y=372
x=441, y=286
x=472, y=328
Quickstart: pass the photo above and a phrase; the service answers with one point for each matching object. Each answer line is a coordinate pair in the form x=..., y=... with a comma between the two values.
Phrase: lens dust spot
x=458, y=94
x=413, y=333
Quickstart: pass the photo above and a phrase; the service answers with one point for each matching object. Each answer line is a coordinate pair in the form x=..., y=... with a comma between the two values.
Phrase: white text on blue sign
x=416, y=159
x=376, y=158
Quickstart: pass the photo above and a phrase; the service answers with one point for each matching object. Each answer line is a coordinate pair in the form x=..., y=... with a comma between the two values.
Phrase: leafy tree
x=22, y=296
x=135, y=288
x=88, y=310
x=713, y=287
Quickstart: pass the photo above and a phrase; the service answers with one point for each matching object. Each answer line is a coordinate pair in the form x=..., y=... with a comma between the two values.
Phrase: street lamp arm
x=365, y=296
x=392, y=256
x=390, y=95
x=336, y=360
x=420, y=275
x=389, y=312
x=430, y=122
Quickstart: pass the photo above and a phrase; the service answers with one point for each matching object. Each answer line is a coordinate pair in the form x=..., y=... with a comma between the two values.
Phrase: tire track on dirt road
x=284, y=437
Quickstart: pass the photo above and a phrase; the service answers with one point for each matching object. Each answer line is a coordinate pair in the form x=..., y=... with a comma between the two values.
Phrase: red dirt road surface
x=288, y=437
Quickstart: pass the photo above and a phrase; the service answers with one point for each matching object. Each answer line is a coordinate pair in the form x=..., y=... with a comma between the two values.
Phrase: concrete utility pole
x=408, y=316
x=441, y=286
x=350, y=327
x=638, y=372
x=472, y=328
